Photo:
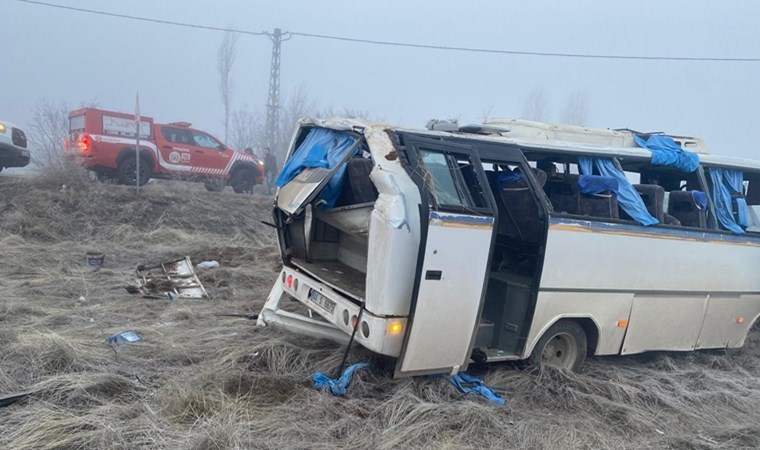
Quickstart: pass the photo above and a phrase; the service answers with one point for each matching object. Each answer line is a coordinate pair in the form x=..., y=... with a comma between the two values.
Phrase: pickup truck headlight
x=2, y=128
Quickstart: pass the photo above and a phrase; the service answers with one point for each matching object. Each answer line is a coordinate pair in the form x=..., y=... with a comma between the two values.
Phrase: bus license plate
x=322, y=301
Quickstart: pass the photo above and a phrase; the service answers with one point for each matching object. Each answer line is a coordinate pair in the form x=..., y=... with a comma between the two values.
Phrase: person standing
x=270, y=169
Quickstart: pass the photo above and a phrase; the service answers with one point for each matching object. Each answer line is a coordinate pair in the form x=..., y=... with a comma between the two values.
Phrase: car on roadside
x=106, y=141
x=13, y=146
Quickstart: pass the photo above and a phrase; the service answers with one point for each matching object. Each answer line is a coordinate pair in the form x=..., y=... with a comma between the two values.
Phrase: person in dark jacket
x=270, y=169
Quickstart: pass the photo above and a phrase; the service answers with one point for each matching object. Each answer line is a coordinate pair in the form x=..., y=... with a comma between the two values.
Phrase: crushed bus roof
x=540, y=136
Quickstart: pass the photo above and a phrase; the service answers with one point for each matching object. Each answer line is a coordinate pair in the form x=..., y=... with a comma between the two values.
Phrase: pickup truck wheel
x=126, y=171
x=562, y=346
x=215, y=184
x=242, y=181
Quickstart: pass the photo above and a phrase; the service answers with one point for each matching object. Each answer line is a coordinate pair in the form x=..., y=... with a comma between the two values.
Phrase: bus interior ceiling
x=332, y=244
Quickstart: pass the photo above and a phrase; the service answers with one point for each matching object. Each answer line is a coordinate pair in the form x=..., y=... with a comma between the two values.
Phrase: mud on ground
x=205, y=381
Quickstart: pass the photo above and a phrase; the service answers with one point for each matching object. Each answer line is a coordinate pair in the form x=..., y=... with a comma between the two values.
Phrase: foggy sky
x=75, y=57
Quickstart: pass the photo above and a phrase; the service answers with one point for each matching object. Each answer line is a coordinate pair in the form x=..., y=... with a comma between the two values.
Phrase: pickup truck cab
x=105, y=142
x=13, y=146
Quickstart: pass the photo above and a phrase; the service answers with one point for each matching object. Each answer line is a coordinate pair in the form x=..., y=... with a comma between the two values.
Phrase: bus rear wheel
x=562, y=346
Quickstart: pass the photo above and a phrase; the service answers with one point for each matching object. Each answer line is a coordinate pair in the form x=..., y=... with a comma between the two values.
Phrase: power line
x=400, y=44
x=517, y=52
x=146, y=19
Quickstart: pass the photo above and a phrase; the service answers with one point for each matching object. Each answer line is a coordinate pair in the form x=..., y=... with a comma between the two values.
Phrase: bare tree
x=245, y=129
x=295, y=106
x=486, y=113
x=536, y=106
x=225, y=59
x=575, y=111
x=47, y=130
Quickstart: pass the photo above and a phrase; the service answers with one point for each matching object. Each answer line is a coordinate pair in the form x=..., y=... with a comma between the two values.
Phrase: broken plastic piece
x=172, y=279
x=337, y=387
x=208, y=265
x=124, y=338
x=467, y=384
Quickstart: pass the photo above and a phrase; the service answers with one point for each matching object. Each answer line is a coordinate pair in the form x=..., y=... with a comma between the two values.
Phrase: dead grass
x=205, y=381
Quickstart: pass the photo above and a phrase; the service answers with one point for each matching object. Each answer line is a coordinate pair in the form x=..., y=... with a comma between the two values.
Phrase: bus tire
x=125, y=172
x=563, y=346
x=242, y=181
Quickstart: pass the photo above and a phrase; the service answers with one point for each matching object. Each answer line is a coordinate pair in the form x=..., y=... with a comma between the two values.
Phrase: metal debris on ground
x=124, y=338
x=173, y=279
x=11, y=399
x=95, y=259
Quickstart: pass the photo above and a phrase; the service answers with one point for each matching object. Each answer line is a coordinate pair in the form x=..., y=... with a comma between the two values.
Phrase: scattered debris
x=95, y=259
x=467, y=384
x=124, y=338
x=337, y=386
x=172, y=279
x=208, y=265
x=11, y=399
x=244, y=316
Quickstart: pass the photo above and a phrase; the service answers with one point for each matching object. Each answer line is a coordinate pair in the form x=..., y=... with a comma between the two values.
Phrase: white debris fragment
x=208, y=265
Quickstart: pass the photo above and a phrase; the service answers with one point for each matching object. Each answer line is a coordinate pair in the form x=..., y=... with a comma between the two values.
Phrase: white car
x=13, y=146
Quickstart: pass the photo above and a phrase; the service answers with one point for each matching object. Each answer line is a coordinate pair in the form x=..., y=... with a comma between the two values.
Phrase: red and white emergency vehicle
x=105, y=142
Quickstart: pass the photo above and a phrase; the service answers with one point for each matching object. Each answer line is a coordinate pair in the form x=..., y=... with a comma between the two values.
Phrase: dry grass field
x=202, y=380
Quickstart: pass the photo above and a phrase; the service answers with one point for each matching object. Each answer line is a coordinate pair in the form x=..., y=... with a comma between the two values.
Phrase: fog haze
x=74, y=57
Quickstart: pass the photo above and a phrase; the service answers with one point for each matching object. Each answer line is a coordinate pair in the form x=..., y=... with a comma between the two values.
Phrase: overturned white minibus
x=514, y=240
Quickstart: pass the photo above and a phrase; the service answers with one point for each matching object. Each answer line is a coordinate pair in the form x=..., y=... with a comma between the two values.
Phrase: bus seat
x=653, y=196
x=522, y=209
x=506, y=226
x=357, y=185
x=687, y=207
x=361, y=185
x=603, y=204
x=563, y=194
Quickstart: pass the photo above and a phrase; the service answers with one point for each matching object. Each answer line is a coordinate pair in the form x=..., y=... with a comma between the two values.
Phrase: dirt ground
x=202, y=380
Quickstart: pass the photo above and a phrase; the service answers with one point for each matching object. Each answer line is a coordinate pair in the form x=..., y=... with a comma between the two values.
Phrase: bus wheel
x=563, y=346
x=126, y=171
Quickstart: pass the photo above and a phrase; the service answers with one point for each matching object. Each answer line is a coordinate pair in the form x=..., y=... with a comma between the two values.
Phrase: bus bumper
x=335, y=315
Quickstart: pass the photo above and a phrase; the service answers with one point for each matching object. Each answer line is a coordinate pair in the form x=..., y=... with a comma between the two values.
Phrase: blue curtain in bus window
x=666, y=152
x=735, y=181
x=321, y=148
x=721, y=193
x=628, y=198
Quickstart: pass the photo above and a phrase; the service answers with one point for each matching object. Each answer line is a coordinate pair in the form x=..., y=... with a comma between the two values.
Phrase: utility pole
x=273, y=104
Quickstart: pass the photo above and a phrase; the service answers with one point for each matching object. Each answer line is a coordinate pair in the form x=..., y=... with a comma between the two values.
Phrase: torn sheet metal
x=173, y=279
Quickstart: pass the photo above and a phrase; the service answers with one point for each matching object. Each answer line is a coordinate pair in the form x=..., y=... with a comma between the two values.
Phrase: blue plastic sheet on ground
x=337, y=386
x=124, y=338
x=667, y=152
x=628, y=198
x=467, y=384
x=721, y=192
x=321, y=148
x=595, y=184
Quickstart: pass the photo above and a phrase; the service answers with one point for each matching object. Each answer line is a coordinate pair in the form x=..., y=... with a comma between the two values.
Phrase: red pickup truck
x=105, y=142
